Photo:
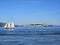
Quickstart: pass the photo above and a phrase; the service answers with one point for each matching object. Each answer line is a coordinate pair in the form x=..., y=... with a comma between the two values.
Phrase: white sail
x=9, y=26
x=5, y=25
x=12, y=25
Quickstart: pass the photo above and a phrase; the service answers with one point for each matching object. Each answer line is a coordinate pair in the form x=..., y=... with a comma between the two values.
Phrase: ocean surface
x=30, y=36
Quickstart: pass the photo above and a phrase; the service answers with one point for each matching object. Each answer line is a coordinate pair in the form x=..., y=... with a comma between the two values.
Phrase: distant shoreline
x=30, y=25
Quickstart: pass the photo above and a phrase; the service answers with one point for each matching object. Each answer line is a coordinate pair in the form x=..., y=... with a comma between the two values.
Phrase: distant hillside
x=2, y=24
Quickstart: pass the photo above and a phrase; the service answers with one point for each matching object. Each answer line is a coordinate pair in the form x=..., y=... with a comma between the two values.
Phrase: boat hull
x=9, y=28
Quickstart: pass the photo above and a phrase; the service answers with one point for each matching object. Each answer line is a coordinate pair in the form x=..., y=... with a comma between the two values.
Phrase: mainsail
x=12, y=25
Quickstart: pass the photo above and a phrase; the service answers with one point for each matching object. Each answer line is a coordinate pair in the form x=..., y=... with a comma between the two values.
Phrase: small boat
x=9, y=26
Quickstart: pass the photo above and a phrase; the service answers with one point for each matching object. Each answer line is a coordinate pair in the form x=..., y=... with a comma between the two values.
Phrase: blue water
x=30, y=36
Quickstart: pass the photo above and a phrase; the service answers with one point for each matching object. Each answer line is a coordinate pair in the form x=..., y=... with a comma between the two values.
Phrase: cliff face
x=2, y=24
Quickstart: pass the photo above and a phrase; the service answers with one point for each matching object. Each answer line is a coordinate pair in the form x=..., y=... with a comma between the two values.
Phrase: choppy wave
x=30, y=33
x=30, y=36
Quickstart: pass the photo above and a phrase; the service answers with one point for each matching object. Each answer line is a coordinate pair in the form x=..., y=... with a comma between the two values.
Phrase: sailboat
x=9, y=26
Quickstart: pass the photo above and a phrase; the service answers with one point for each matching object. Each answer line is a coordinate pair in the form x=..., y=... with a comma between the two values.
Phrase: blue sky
x=30, y=11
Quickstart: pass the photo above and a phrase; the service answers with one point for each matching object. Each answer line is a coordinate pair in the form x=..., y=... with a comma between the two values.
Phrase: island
x=43, y=25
